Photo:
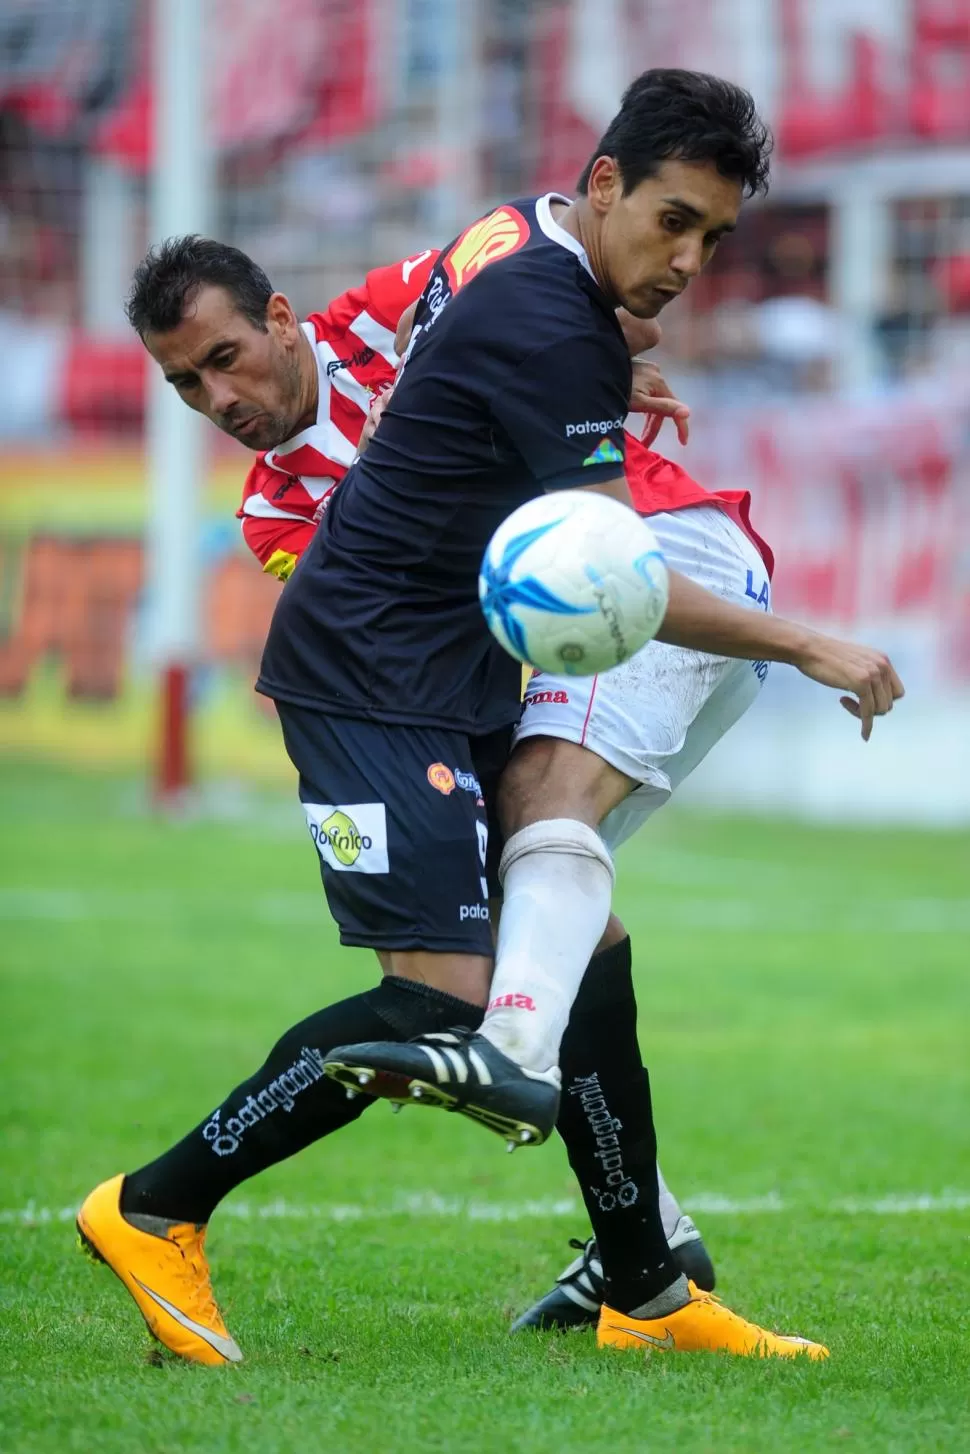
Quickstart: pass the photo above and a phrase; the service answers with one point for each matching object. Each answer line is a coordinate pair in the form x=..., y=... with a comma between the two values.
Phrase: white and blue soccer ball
x=573, y=582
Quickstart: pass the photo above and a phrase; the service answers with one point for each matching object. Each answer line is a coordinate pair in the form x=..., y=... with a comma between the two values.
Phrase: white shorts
x=657, y=716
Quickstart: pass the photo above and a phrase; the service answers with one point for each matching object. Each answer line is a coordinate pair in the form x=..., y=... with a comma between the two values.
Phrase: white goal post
x=180, y=202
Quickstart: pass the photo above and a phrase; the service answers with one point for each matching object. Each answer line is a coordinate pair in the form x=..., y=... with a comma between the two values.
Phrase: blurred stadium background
x=804, y=988
x=826, y=355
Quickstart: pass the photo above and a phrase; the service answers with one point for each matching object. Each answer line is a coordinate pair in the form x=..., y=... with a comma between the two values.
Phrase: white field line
x=735, y=914
x=430, y=1207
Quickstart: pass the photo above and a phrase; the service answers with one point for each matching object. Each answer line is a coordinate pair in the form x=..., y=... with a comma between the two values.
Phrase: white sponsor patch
x=350, y=837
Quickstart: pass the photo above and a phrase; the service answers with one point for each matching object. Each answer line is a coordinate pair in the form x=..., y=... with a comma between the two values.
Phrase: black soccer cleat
x=690, y=1254
x=575, y=1300
x=454, y=1071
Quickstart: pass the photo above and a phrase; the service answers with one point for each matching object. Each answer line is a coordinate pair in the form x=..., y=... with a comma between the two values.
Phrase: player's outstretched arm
x=700, y=621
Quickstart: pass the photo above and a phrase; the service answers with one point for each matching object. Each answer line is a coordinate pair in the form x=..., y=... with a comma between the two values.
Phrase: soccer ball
x=573, y=582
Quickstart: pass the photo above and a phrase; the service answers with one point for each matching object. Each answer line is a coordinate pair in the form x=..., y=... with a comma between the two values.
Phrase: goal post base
x=173, y=769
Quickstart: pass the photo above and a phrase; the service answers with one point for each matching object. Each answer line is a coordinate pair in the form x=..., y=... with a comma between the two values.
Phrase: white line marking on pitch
x=433, y=1207
x=721, y=915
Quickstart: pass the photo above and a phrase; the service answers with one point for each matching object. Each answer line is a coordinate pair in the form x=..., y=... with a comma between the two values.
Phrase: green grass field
x=805, y=997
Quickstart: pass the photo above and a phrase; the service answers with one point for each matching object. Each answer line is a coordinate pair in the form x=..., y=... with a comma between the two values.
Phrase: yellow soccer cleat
x=165, y=1271
x=704, y=1325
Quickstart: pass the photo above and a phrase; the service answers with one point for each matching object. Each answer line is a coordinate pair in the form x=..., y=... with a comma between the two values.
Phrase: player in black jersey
x=396, y=704
x=517, y=361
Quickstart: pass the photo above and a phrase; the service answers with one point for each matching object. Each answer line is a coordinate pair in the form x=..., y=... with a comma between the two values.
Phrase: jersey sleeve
x=277, y=544
x=563, y=412
x=383, y=296
x=392, y=289
x=277, y=535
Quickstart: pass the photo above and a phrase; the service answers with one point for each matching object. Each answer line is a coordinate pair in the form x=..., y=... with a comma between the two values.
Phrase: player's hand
x=641, y=334
x=868, y=674
x=405, y=327
x=374, y=413
x=652, y=395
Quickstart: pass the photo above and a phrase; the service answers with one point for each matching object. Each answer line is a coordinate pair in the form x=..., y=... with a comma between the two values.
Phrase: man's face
x=656, y=238
x=245, y=380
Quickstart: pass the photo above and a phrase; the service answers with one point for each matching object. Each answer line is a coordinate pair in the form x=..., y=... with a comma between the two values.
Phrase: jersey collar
x=555, y=233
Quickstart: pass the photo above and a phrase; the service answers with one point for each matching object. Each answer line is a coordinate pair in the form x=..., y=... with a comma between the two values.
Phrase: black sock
x=288, y=1104
x=606, y=1121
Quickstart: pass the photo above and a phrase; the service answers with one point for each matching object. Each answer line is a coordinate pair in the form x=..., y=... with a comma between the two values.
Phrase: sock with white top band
x=558, y=880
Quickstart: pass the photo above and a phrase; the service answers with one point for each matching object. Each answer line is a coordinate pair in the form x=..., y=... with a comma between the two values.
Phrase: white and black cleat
x=576, y=1299
x=454, y=1071
x=690, y=1254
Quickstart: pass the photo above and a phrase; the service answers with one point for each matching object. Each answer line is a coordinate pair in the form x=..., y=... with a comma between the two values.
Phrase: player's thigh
x=634, y=718
x=737, y=689
x=653, y=718
x=554, y=777
x=399, y=828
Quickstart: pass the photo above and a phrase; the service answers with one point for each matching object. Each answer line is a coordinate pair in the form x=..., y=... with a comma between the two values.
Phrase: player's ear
x=605, y=183
x=281, y=318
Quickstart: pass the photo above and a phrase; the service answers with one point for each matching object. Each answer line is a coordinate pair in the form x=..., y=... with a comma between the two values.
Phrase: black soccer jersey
x=517, y=381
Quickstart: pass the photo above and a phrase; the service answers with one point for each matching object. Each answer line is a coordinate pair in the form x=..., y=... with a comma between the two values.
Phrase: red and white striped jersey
x=287, y=489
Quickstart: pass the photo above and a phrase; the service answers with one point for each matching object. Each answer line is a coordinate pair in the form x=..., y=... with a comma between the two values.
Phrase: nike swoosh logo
x=667, y=1342
x=226, y=1346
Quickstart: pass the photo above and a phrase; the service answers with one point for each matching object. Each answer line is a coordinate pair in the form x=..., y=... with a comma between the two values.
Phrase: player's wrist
x=793, y=644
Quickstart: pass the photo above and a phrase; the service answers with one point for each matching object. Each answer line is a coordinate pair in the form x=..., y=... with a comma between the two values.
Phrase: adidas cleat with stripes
x=577, y=1297
x=454, y=1071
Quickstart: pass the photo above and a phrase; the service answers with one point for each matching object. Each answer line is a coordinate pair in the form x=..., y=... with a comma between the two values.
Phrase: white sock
x=670, y=1208
x=558, y=879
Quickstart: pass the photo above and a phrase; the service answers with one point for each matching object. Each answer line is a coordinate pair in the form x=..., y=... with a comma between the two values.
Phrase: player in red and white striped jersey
x=353, y=340
x=287, y=489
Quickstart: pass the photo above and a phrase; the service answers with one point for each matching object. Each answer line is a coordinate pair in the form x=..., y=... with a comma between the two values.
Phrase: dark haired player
x=370, y=718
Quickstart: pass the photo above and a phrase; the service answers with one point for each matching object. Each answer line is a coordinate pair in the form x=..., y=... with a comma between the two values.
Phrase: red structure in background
x=78, y=604
x=564, y=139
x=925, y=100
x=296, y=70
x=918, y=97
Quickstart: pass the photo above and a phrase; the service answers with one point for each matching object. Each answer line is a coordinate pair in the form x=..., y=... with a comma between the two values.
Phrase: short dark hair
x=172, y=272
x=673, y=115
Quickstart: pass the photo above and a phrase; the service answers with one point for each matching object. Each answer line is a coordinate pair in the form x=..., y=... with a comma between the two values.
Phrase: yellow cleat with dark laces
x=163, y=1266
x=703, y=1325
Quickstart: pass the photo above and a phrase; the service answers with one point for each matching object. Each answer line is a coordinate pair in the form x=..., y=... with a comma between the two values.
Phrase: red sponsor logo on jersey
x=442, y=778
x=558, y=699
x=512, y=1002
x=502, y=232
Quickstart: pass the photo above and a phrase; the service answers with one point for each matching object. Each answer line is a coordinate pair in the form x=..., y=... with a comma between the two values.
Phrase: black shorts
x=402, y=819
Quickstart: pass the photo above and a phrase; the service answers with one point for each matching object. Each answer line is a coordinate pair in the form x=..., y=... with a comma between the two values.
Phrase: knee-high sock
x=558, y=880
x=288, y=1104
x=606, y=1122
